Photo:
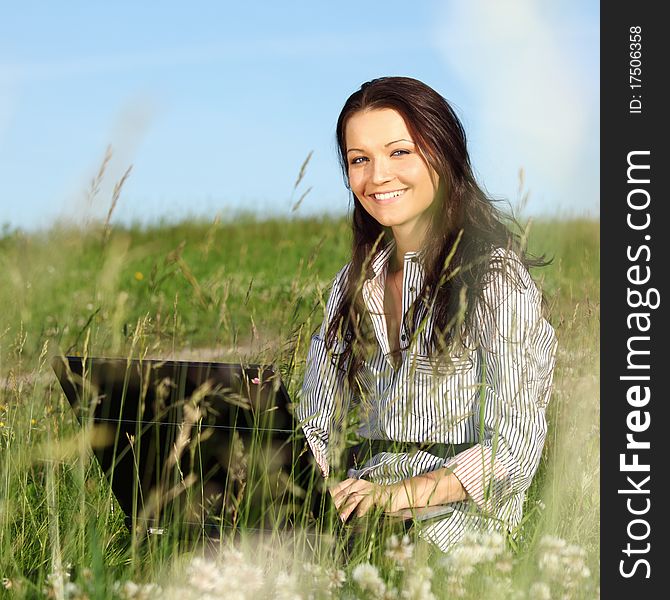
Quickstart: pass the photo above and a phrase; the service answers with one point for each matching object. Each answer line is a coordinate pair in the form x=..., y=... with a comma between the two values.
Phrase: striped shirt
x=491, y=394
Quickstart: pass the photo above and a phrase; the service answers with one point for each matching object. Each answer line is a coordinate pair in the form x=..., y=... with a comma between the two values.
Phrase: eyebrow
x=385, y=145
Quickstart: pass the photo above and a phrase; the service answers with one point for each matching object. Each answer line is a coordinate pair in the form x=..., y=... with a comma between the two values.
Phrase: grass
x=253, y=291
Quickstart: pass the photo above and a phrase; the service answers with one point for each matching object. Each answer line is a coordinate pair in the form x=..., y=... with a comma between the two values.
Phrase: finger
x=364, y=506
x=345, y=498
x=342, y=490
x=378, y=496
x=346, y=503
x=341, y=498
x=349, y=506
x=358, y=486
x=342, y=485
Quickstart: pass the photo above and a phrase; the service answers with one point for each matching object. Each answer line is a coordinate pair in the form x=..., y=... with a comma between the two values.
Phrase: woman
x=433, y=341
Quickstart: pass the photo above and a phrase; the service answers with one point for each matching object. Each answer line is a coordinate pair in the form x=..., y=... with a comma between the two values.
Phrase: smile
x=388, y=195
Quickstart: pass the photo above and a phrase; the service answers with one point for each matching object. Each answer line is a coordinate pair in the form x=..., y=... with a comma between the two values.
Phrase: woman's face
x=387, y=173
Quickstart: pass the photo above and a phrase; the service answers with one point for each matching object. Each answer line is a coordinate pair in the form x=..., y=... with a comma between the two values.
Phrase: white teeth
x=388, y=195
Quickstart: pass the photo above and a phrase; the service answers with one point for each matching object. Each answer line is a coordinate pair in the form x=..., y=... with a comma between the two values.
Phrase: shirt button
x=414, y=259
x=412, y=289
x=403, y=337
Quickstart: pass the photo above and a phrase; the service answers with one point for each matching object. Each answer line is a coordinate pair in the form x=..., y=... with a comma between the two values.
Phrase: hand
x=359, y=495
x=430, y=489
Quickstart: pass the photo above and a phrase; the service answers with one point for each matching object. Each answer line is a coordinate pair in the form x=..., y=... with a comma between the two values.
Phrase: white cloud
x=529, y=92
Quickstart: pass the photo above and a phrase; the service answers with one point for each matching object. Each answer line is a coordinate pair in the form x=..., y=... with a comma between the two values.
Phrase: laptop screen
x=195, y=444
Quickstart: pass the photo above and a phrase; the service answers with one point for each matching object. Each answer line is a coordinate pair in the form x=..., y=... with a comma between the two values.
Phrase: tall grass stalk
x=254, y=292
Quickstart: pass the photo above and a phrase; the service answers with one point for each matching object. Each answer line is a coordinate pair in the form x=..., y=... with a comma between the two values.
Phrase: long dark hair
x=465, y=225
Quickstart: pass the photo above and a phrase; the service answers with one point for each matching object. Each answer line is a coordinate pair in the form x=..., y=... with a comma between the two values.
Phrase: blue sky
x=217, y=104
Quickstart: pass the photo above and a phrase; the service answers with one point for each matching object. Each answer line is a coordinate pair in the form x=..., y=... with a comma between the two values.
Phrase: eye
x=357, y=160
x=395, y=152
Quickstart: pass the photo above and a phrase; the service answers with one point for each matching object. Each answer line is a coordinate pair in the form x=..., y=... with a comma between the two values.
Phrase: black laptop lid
x=195, y=443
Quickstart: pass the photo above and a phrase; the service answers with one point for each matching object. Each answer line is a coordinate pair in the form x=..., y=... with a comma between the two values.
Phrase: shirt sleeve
x=325, y=392
x=518, y=348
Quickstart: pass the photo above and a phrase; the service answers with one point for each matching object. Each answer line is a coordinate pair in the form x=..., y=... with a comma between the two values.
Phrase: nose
x=381, y=172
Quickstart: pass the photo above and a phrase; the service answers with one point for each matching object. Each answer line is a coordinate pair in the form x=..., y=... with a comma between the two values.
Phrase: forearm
x=432, y=489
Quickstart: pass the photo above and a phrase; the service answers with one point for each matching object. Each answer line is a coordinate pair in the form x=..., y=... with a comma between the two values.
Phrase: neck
x=408, y=239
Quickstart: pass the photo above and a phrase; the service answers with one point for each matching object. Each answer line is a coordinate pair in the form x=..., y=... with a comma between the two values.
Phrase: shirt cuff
x=319, y=451
x=484, y=479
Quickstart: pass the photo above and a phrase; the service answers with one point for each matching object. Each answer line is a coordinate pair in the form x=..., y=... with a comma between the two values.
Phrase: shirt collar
x=373, y=289
x=381, y=259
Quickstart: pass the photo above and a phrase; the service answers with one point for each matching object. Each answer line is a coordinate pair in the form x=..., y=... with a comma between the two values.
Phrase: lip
x=388, y=200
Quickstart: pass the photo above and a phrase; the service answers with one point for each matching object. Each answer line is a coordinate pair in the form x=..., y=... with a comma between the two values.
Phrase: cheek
x=414, y=171
x=421, y=179
x=357, y=182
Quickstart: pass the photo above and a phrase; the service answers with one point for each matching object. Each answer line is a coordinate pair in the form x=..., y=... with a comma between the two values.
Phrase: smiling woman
x=433, y=343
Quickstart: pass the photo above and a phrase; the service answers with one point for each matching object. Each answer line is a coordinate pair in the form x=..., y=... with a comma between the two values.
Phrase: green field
x=253, y=291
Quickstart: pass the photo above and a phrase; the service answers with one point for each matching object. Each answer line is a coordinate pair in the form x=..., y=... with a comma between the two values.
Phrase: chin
x=383, y=217
x=385, y=221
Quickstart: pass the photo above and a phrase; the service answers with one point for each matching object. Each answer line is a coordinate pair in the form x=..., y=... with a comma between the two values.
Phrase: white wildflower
x=368, y=579
x=418, y=585
x=400, y=550
x=550, y=565
x=314, y=574
x=285, y=587
x=562, y=563
x=73, y=592
x=390, y=594
x=129, y=590
x=461, y=561
x=233, y=578
x=494, y=545
x=336, y=579
x=539, y=591
x=205, y=576
x=317, y=581
x=474, y=549
x=504, y=565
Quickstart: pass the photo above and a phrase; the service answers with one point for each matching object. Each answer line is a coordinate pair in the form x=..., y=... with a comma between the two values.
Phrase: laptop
x=203, y=447
x=196, y=445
